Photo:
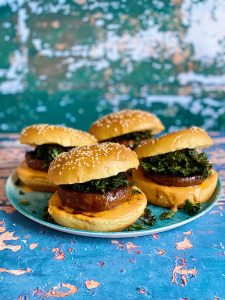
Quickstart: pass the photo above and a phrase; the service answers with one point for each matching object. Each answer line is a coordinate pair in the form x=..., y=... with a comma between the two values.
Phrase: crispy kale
x=148, y=218
x=47, y=152
x=135, y=227
x=167, y=215
x=181, y=163
x=191, y=209
x=137, y=137
x=103, y=185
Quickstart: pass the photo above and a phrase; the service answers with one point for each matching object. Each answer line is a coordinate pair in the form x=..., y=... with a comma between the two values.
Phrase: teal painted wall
x=69, y=62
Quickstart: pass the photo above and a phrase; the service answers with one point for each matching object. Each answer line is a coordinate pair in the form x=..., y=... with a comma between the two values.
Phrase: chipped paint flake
x=33, y=246
x=180, y=269
x=130, y=247
x=92, y=284
x=15, y=272
x=101, y=264
x=141, y=291
x=185, y=244
x=7, y=208
x=59, y=255
x=8, y=236
x=189, y=232
x=55, y=291
x=160, y=252
x=155, y=236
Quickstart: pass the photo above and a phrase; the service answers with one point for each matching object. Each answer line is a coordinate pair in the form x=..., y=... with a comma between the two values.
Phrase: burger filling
x=43, y=155
x=97, y=195
x=179, y=168
x=132, y=139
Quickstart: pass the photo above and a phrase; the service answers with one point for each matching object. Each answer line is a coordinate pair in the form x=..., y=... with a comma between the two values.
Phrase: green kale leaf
x=148, y=218
x=103, y=185
x=135, y=227
x=48, y=152
x=167, y=215
x=181, y=163
x=137, y=137
x=191, y=209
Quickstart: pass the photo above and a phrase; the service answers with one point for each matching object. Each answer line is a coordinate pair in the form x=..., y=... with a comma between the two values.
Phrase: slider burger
x=172, y=170
x=127, y=127
x=94, y=192
x=49, y=141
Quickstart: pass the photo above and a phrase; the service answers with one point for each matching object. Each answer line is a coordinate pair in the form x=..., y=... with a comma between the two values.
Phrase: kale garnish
x=135, y=192
x=48, y=152
x=136, y=137
x=190, y=208
x=146, y=219
x=167, y=215
x=24, y=202
x=136, y=226
x=181, y=163
x=103, y=185
x=47, y=217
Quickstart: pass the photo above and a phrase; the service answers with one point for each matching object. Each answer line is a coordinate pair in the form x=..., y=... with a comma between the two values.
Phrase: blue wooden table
x=40, y=263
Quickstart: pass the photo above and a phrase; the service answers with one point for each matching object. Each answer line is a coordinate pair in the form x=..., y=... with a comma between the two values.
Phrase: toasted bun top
x=52, y=134
x=187, y=138
x=123, y=122
x=91, y=162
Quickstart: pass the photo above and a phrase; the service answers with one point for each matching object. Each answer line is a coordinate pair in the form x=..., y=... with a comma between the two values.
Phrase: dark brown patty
x=176, y=181
x=34, y=163
x=90, y=202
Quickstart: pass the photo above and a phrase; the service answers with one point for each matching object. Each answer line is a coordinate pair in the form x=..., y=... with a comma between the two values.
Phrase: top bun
x=187, y=138
x=123, y=122
x=52, y=134
x=91, y=162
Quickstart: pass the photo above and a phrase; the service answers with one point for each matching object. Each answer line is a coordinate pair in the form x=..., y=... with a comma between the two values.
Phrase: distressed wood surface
x=40, y=263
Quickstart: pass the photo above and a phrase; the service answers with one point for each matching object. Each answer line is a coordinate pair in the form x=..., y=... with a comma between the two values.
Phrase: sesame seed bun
x=35, y=179
x=52, y=134
x=114, y=219
x=91, y=162
x=187, y=138
x=174, y=197
x=123, y=122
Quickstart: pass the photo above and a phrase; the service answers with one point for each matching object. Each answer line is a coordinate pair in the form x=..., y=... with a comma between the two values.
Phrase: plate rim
x=116, y=234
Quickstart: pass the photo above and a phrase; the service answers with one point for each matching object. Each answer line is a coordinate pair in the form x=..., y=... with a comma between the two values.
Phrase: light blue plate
x=38, y=202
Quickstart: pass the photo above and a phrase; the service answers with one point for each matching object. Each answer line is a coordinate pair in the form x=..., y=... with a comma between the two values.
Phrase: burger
x=93, y=188
x=127, y=127
x=49, y=141
x=173, y=170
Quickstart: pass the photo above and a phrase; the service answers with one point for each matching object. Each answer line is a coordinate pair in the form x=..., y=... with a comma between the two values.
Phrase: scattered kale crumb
x=134, y=192
x=47, y=217
x=136, y=226
x=190, y=208
x=33, y=211
x=21, y=192
x=148, y=218
x=24, y=202
x=18, y=182
x=167, y=215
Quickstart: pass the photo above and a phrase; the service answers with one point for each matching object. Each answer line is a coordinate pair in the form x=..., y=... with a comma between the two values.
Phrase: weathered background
x=69, y=62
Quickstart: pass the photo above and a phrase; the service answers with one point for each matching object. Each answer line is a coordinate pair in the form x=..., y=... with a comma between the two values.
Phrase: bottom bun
x=114, y=219
x=35, y=179
x=174, y=197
